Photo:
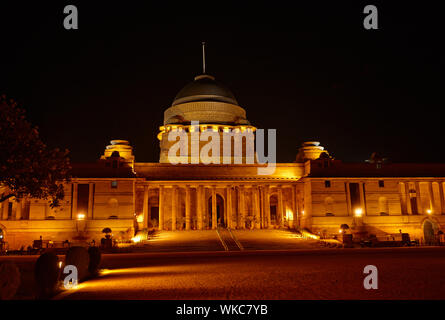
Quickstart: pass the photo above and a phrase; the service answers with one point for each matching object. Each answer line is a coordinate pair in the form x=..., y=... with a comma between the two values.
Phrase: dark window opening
x=381, y=184
x=354, y=193
x=83, y=193
x=114, y=184
x=327, y=184
x=9, y=210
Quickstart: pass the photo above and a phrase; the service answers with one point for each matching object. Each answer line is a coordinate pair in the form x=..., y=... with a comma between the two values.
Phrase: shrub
x=78, y=257
x=46, y=274
x=95, y=257
x=9, y=280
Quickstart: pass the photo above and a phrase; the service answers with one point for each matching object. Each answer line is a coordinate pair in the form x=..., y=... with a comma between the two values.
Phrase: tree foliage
x=27, y=166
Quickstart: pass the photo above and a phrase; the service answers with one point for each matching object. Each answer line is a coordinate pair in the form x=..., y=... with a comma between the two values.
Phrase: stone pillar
x=187, y=208
x=280, y=206
x=199, y=204
x=229, y=206
x=293, y=222
x=432, y=207
x=74, y=204
x=242, y=207
x=419, y=199
x=161, y=207
x=362, y=198
x=214, y=216
x=145, y=207
x=408, y=199
x=256, y=207
x=267, y=206
x=441, y=196
x=5, y=205
x=348, y=199
x=90, y=200
x=174, y=206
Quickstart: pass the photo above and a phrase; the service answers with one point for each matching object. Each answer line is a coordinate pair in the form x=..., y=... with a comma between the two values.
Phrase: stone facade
x=315, y=192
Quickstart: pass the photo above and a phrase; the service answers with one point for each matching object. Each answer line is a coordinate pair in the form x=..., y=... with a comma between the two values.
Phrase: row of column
x=260, y=206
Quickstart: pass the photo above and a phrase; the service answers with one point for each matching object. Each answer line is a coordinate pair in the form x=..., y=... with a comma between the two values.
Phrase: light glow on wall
x=358, y=212
x=289, y=214
x=81, y=216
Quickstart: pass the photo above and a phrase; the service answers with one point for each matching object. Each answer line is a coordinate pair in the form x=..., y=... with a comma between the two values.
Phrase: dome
x=204, y=88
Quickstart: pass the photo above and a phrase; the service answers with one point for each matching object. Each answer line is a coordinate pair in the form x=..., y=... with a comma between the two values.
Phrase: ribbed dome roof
x=204, y=88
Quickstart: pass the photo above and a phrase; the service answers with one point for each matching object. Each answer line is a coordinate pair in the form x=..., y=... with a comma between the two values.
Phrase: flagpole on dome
x=203, y=58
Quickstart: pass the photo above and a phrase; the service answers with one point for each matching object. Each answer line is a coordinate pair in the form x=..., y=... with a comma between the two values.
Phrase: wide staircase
x=224, y=239
x=229, y=242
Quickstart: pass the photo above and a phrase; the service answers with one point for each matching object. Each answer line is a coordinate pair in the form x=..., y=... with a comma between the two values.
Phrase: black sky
x=313, y=73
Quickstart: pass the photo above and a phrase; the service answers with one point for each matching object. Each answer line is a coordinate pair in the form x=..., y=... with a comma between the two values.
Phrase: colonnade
x=238, y=206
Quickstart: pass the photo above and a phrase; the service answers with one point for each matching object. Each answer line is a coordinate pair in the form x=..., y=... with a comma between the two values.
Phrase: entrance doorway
x=221, y=221
x=429, y=232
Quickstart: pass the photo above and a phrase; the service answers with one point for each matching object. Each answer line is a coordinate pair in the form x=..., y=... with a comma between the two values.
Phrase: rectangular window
x=83, y=194
x=114, y=184
x=381, y=184
x=354, y=193
x=327, y=184
x=9, y=210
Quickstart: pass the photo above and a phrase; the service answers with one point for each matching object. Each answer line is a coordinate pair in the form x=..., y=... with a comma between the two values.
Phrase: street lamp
x=358, y=212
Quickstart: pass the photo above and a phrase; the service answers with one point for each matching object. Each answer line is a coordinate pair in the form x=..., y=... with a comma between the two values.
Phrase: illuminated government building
x=315, y=191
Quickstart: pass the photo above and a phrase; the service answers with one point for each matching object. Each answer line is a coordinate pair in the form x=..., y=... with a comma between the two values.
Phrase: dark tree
x=27, y=166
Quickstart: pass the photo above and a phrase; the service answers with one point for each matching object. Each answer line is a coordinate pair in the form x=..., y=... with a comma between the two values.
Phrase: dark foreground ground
x=403, y=273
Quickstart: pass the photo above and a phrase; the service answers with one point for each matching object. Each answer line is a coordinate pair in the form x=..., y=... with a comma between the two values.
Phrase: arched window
x=329, y=206
x=383, y=206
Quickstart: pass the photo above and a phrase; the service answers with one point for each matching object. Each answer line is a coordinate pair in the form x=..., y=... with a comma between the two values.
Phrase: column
x=431, y=198
x=161, y=207
x=5, y=205
x=229, y=206
x=214, y=217
x=402, y=195
x=256, y=207
x=187, y=208
x=442, y=203
x=145, y=207
x=419, y=199
x=280, y=206
x=242, y=207
x=90, y=200
x=267, y=206
x=294, y=206
x=199, y=204
x=174, y=206
x=408, y=198
x=74, y=204
x=362, y=198
x=348, y=199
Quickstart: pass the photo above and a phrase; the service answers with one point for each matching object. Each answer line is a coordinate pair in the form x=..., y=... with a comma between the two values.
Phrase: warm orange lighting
x=136, y=239
x=140, y=218
x=429, y=211
x=289, y=214
x=358, y=212
x=80, y=216
x=60, y=264
x=340, y=231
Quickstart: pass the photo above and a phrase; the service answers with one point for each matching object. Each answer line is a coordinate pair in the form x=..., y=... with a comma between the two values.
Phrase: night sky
x=312, y=73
